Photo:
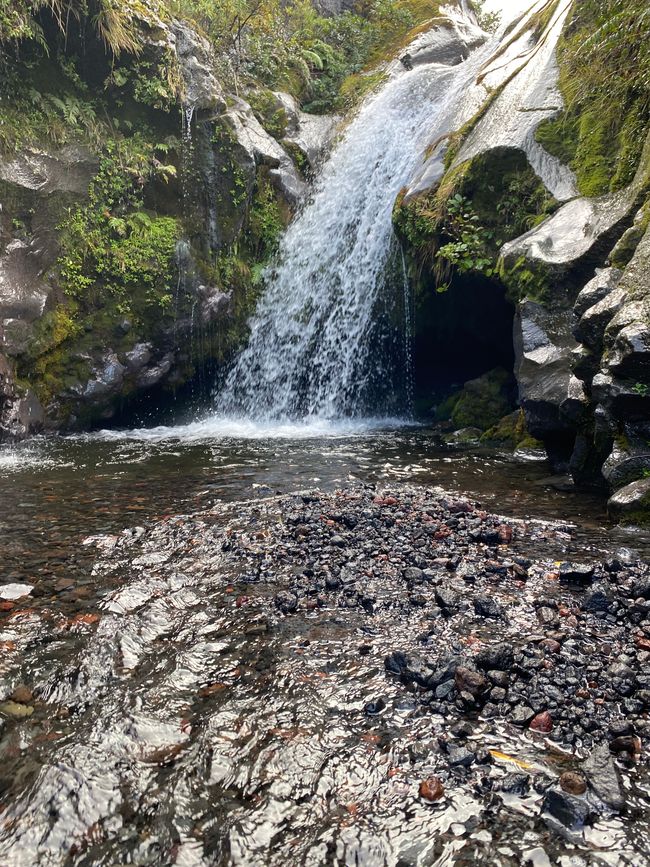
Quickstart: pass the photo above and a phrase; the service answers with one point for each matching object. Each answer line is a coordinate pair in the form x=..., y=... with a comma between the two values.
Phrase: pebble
x=431, y=789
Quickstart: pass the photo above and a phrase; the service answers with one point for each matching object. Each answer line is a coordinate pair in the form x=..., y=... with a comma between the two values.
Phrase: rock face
x=311, y=134
x=67, y=362
x=551, y=397
x=449, y=44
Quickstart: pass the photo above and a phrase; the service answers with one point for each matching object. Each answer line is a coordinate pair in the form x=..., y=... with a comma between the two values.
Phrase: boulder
x=449, y=43
x=605, y=281
x=551, y=397
x=631, y=504
x=261, y=149
x=311, y=134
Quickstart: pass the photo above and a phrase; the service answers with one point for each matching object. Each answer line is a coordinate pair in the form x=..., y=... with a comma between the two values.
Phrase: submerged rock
x=603, y=778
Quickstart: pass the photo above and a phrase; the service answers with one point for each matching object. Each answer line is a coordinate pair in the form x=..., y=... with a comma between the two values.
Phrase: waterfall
x=324, y=341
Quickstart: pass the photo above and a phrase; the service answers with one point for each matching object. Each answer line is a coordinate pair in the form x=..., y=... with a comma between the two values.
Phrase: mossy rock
x=484, y=401
x=631, y=504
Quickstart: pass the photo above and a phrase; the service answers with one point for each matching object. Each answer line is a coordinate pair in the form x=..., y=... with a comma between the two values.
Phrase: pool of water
x=143, y=763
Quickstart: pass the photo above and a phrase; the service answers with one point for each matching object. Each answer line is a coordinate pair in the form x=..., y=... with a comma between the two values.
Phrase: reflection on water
x=212, y=741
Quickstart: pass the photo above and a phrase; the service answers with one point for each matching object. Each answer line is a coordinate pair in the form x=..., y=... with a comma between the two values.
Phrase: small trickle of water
x=323, y=339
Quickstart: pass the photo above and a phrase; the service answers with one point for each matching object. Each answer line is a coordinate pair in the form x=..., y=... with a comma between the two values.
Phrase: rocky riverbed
x=393, y=675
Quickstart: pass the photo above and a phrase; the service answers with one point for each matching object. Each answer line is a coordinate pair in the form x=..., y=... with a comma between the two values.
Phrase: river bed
x=108, y=766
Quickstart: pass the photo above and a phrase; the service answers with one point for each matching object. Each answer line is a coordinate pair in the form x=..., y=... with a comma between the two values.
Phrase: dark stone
x=460, y=756
x=498, y=657
x=487, y=606
x=572, y=812
x=287, y=602
x=375, y=707
x=515, y=783
x=576, y=573
x=602, y=776
x=521, y=715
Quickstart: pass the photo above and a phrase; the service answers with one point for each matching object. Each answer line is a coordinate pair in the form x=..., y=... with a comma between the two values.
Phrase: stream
x=169, y=723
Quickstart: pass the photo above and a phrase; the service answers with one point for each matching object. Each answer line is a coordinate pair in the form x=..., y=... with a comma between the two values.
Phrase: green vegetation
x=480, y=205
x=604, y=57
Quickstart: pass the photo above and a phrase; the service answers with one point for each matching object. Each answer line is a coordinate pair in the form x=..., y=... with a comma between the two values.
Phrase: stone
x=602, y=776
x=514, y=783
x=521, y=715
x=599, y=287
x=487, y=606
x=543, y=722
x=286, y=601
x=460, y=756
x=447, y=44
x=570, y=811
x=15, y=591
x=572, y=783
x=499, y=657
x=431, y=789
x=470, y=681
x=311, y=134
x=576, y=573
x=548, y=392
x=631, y=504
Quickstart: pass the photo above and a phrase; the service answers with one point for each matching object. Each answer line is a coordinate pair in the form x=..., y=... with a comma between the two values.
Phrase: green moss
x=265, y=221
x=499, y=197
x=483, y=401
x=524, y=278
x=605, y=81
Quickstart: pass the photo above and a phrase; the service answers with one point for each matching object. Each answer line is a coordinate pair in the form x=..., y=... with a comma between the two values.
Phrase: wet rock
x=487, y=606
x=543, y=367
x=572, y=812
x=572, y=783
x=605, y=281
x=542, y=722
x=521, y=715
x=286, y=602
x=625, y=744
x=431, y=789
x=470, y=681
x=499, y=657
x=576, y=573
x=602, y=776
x=375, y=707
x=515, y=784
x=459, y=756
x=631, y=504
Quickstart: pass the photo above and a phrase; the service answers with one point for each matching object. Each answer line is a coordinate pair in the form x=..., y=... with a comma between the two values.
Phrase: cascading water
x=327, y=339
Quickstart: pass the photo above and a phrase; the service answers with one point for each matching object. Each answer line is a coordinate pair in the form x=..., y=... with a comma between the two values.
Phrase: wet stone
x=570, y=811
x=487, y=606
x=431, y=789
x=521, y=715
x=572, y=783
x=602, y=776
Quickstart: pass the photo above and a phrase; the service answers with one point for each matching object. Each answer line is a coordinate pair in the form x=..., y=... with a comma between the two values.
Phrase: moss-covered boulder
x=483, y=401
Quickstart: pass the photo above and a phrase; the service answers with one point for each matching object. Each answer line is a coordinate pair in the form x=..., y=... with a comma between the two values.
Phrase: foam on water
x=222, y=428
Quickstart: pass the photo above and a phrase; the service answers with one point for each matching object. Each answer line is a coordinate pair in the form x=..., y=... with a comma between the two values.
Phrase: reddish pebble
x=643, y=643
x=431, y=789
x=6, y=605
x=241, y=600
x=505, y=534
x=543, y=722
x=551, y=645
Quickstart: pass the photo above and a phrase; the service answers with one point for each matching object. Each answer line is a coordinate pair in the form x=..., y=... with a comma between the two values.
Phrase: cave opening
x=459, y=335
